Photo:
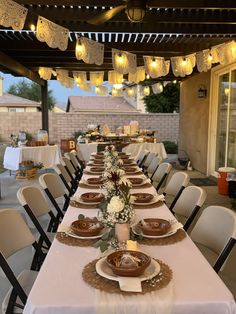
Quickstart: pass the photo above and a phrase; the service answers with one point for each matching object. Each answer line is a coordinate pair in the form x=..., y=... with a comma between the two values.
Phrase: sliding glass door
x=226, y=121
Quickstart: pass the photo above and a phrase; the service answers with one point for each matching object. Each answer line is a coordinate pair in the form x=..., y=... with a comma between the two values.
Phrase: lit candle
x=131, y=245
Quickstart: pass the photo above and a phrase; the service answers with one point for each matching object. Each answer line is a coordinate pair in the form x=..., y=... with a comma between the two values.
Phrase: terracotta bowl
x=124, y=157
x=98, y=162
x=97, y=169
x=99, y=157
x=87, y=227
x=122, y=265
x=127, y=161
x=143, y=197
x=95, y=181
x=154, y=226
x=130, y=169
x=92, y=197
x=135, y=181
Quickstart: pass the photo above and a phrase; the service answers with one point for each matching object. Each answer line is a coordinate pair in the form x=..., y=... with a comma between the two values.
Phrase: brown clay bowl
x=95, y=181
x=99, y=157
x=97, y=169
x=92, y=197
x=123, y=266
x=130, y=169
x=154, y=226
x=143, y=197
x=98, y=162
x=127, y=161
x=136, y=181
x=87, y=227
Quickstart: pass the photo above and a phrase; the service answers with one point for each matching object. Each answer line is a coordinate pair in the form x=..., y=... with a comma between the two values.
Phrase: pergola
x=170, y=28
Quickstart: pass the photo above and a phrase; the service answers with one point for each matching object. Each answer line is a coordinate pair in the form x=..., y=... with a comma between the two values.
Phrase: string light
x=147, y=76
x=119, y=59
x=210, y=58
x=153, y=63
x=32, y=27
x=184, y=62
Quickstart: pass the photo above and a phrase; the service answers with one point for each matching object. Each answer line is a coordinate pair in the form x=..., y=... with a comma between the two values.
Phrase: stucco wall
x=64, y=125
x=194, y=116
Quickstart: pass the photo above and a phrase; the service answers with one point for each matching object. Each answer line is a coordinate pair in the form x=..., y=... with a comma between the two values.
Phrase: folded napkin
x=130, y=284
x=175, y=226
x=160, y=198
x=63, y=228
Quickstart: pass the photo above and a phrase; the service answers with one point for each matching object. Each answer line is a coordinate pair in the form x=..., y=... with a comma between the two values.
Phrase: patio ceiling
x=170, y=28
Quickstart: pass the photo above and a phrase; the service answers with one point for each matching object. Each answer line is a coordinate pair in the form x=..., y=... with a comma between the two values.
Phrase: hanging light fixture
x=136, y=10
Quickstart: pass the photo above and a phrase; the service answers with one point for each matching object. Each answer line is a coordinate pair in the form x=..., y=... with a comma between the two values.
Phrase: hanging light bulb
x=184, y=62
x=153, y=64
x=97, y=89
x=146, y=90
x=119, y=59
x=130, y=92
x=210, y=58
x=147, y=76
x=79, y=50
x=32, y=27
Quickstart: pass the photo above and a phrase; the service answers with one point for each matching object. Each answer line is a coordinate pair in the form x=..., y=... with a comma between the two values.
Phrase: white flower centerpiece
x=116, y=211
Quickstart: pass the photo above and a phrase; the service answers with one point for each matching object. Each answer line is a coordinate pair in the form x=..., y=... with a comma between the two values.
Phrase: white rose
x=116, y=205
x=115, y=154
x=132, y=199
x=109, y=165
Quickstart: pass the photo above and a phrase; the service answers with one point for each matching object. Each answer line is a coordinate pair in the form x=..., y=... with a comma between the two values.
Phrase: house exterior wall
x=62, y=126
x=194, y=120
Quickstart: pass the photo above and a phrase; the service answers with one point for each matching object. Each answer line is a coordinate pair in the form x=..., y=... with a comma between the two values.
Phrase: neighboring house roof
x=99, y=103
x=8, y=100
x=59, y=108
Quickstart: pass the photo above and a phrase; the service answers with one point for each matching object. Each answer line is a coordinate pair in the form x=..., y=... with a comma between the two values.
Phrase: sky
x=60, y=93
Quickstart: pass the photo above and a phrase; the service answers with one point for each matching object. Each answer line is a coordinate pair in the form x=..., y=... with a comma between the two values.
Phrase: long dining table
x=195, y=288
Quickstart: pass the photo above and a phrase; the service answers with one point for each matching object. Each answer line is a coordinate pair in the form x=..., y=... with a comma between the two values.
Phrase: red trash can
x=223, y=186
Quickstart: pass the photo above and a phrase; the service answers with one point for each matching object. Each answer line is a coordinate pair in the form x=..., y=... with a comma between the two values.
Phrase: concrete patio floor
x=9, y=187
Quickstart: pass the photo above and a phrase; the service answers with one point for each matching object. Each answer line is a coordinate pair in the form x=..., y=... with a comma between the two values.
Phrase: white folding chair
x=141, y=157
x=215, y=234
x=54, y=188
x=175, y=186
x=148, y=160
x=37, y=207
x=66, y=178
x=161, y=175
x=15, y=235
x=153, y=166
x=188, y=204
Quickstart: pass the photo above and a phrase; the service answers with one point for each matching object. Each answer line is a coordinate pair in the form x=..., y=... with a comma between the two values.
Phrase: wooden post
x=44, y=92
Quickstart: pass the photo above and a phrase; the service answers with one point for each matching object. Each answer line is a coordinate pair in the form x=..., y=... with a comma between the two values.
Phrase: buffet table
x=195, y=288
x=49, y=155
x=134, y=149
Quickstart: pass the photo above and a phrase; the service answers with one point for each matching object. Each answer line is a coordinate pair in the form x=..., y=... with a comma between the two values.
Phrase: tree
x=167, y=101
x=30, y=91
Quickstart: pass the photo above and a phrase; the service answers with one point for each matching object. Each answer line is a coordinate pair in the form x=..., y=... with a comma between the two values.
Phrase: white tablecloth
x=49, y=155
x=60, y=289
x=135, y=148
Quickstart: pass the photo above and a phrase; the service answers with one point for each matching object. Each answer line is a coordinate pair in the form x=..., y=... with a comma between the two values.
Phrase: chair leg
x=224, y=254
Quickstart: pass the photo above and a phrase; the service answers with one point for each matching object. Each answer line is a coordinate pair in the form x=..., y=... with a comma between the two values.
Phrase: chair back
x=14, y=232
x=34, y=198
x=177, y=181
x=149, y=159
x=61, y=171
x=73, y=160
x=52, y=182
x=141, y=157
x=214, y=228
x=161, y=174
x=190, y=197
x=153, y=166
x=69, y=166
x=189, y=203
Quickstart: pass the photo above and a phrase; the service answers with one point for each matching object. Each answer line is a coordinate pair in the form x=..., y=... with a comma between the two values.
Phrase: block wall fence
x=63, y=125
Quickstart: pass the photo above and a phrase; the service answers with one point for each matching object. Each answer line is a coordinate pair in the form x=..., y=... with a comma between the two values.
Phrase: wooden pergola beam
x=19, y=69
x=209, y=4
